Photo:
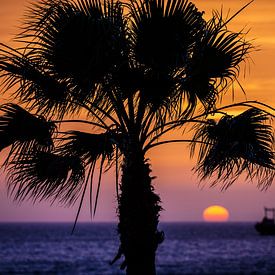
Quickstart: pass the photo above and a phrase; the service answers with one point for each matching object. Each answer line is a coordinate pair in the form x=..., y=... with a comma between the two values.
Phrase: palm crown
x=135, y=70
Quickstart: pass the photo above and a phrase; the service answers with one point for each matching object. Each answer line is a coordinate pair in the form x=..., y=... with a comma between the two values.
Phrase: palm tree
x=131, y=72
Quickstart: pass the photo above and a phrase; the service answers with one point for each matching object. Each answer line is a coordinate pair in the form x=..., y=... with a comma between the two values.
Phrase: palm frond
x=44, y=175
x=127, y=78
x=89, y=147
x=155, y=89
x=24, y=131
x=158, y=88
x=82, y=41
x=215, y=62
x=163, y=96
x=164, y=31
x=234, y=145
x=36, y=18
x=33, y=84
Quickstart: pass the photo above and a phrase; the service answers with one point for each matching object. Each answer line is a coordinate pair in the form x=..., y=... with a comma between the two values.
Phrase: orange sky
x=182, y=199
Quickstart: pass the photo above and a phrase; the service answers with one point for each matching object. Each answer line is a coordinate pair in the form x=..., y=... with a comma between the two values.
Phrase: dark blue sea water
x=189, y=248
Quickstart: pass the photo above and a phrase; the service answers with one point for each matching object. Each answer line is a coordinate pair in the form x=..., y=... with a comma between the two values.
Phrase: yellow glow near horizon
x=215, y=213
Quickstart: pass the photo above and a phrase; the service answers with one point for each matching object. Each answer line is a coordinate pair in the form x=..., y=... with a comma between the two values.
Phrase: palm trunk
x=138, y=213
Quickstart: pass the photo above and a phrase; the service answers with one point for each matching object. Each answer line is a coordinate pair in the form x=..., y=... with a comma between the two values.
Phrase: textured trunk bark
x=138, y=213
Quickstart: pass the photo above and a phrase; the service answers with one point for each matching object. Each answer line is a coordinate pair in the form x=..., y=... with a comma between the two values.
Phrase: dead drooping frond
x=23, y=131
x=90, y=148
x=46, y=176
x=234, y=145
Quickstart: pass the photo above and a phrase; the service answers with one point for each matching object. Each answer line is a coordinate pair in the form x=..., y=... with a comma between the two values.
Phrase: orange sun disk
x=215, y=213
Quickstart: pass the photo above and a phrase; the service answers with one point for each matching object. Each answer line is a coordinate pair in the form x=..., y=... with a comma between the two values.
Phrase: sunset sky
x=183, y=199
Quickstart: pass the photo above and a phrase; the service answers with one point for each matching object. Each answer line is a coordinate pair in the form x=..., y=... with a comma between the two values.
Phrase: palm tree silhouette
x=135, y=71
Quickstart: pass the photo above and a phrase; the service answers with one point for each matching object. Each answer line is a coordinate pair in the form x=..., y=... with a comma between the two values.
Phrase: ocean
x=189, y=248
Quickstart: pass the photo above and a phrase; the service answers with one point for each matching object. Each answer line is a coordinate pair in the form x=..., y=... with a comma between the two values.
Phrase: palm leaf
x=82, y=41
x=44, y=175
x=164, y=32
x=158, y=88
x=127, y=79
x=234, y=145
x=33, y=83
x=89, y=147
x=215, y=62
x=23, y=130
x=164, y=97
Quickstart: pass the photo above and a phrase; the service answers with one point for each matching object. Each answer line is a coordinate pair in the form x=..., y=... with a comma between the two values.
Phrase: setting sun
x=215, y=213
